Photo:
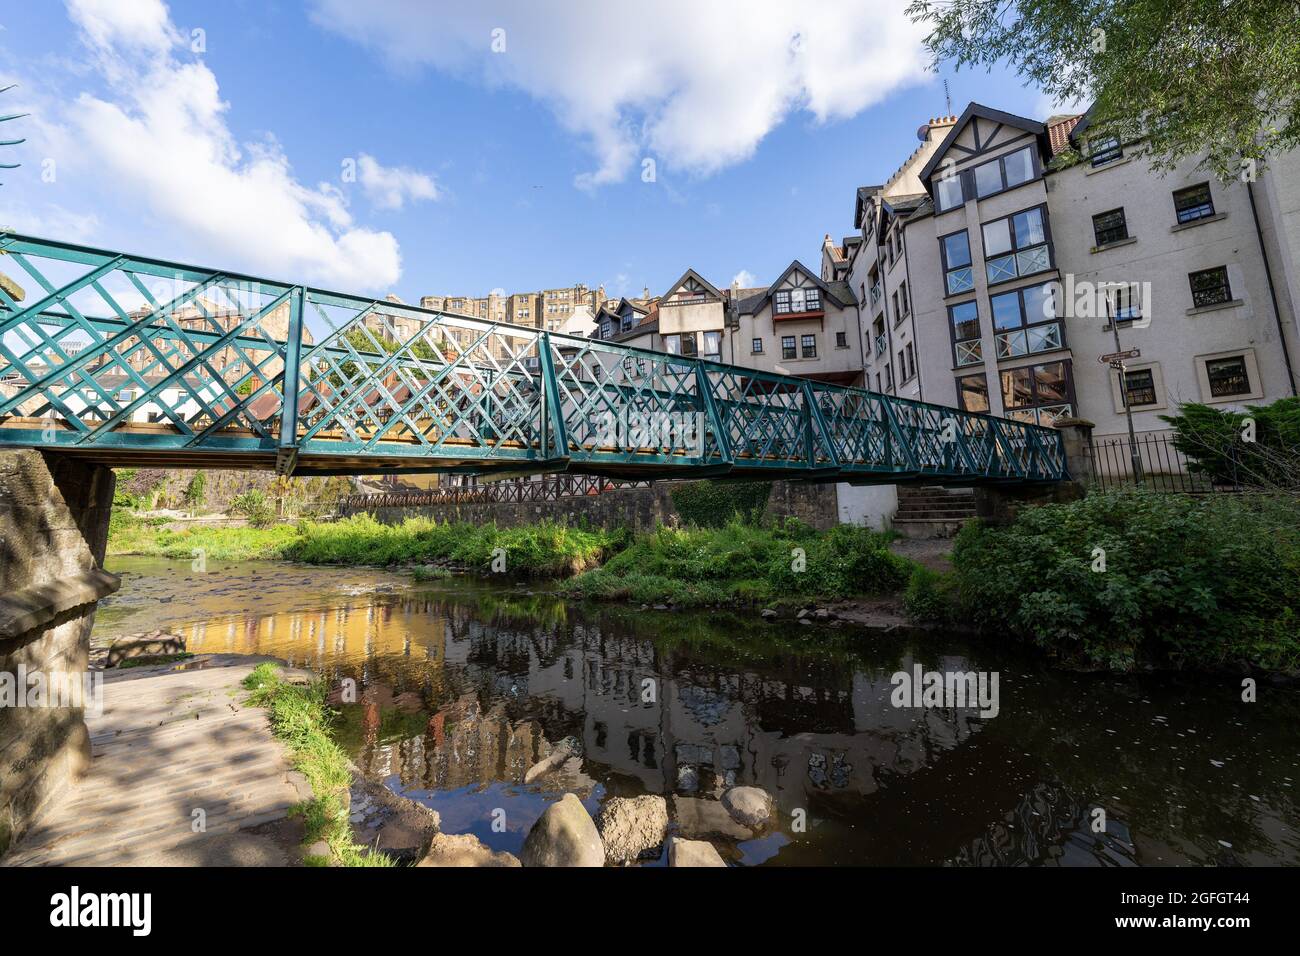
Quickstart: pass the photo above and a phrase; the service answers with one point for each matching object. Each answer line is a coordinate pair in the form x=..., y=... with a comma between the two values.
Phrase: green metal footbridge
x=126, y=360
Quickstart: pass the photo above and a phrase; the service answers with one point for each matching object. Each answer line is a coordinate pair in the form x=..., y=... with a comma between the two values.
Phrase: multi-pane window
x=757, y=346
x=1005, y=172
x=1124, y=301
x=973, y=392
x=625, y=324
x=1016, y=246
x=879, y=329
x=1140, y=387
x=841, y=340
x=1110, y=227
x=902, y=298
x=1210, y=287
x=712, y=345
x=911, y=361
x=683, y=344
x=1037, y=393
x=965, y=322
x=1228, y=376
x=606, y=328
x=1104, y=150
x=797, y=300
x=1025, y=321
x=787, y=347
x=956, y=263
x=808, y=346
x=1193, y=203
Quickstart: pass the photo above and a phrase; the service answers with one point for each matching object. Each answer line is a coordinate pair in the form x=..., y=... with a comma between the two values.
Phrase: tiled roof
x=1058, y=132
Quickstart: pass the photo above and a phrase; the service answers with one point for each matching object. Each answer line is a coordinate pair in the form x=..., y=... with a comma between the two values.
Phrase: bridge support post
x=999, y=504
x=54, y=515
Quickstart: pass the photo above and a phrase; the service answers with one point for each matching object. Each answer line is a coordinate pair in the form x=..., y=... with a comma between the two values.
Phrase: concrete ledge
x=32, y=607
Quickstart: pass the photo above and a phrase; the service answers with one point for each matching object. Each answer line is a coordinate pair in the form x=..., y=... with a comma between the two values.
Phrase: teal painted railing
x=127, y=359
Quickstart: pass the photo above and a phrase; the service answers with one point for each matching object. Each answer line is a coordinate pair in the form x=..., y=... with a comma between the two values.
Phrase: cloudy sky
x=420, y=146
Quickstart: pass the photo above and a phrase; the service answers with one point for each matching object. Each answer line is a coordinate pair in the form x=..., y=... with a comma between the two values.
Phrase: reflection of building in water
x=502, y=693
x=1050, y=827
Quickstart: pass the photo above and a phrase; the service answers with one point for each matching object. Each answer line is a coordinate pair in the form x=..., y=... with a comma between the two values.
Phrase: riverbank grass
x=131, y=535
x=742, y=563
x=300, y=717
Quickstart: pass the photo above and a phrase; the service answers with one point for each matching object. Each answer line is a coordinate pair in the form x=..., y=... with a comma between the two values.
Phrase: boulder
x=749, y=806
x=768, y=614
x=463, y=849
x=692, y=853
x=564, y=836
x=157, y=644
x=631, y=827
x=698, y=818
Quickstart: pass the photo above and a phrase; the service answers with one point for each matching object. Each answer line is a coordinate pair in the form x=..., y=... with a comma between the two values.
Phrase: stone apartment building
x=993, y=262
x=549, y=309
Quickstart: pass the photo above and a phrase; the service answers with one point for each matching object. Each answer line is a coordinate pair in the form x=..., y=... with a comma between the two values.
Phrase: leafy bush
x=930, y=596
x=713, y=504
x=255, y=506
x=1187, y=581
x=1213, y=439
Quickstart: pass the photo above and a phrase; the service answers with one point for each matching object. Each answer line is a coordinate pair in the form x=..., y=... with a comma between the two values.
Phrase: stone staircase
x=931, y=511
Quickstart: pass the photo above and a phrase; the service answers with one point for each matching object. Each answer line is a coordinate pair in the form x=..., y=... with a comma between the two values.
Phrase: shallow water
x=463, y=687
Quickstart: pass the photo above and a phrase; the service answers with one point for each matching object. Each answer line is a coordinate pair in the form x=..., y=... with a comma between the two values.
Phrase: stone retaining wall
x=54, y=515
x=637, y=508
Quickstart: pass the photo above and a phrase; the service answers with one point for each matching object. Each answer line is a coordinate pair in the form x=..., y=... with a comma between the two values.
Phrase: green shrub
x=255, y=506
x=931, y=597
x=713, y=504
x=1213, y=439
x=1187, y=581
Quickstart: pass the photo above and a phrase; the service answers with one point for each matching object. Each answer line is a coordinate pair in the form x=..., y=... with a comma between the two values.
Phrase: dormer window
x=790, y=301
x=1104, y=150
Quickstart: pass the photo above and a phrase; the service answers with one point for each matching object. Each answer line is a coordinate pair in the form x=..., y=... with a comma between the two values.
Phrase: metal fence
x=549, y=488
x=1151, y=461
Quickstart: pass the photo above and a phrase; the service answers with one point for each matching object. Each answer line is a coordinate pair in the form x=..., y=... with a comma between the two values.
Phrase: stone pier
x=54, y=514
x=999, y=504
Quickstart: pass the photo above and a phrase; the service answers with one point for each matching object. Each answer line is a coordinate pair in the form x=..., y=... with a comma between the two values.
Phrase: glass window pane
x=974, y=393
x=1029, y=228
x=965, y=321
x=988, y=178
x=1040, y=304
x=1006, y=311
x=1049, y=380
x=1019, y=166
x=997, y=238
x=960, y=280
x=1016, y=389
x=1000, y=270
x=1035, y=260
x=948, y=192
x=1228, y=377
x=957, y=250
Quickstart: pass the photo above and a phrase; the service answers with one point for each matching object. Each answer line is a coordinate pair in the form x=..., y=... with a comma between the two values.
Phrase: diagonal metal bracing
x=235, y=368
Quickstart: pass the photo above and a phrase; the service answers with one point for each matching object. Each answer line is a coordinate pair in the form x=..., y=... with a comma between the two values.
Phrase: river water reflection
x=462, y=688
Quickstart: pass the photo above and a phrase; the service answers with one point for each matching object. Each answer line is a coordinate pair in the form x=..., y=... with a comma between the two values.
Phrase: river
x=463, y=686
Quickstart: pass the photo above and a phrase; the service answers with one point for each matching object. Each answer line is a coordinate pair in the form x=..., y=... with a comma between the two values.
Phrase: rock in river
x=692, y=853
x=748, y=805
x=632, y=826
x=463, y=849
x=564, y=836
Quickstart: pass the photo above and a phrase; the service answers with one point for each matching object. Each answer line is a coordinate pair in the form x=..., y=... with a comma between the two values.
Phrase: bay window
x=964, y=321
x=1025, y=321
x=1016, y=245
x=955, y=250
x=1037, y=393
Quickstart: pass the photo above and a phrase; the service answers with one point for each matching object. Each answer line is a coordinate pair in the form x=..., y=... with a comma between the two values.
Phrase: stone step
x=927, y=527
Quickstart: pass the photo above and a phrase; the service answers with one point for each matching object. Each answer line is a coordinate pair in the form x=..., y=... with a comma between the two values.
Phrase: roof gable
x=984, y=134
x=692, y=281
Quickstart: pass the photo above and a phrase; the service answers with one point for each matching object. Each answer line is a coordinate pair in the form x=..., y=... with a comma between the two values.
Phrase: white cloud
x=389, y=187
x=745, y=279
x=697, y=84
x=157, y=131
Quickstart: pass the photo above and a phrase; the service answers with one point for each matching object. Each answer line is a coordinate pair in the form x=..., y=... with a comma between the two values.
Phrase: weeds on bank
x=300, y=717
x=742, y=563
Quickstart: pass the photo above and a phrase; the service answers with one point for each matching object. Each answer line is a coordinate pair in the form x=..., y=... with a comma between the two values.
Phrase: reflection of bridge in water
x=119, y=359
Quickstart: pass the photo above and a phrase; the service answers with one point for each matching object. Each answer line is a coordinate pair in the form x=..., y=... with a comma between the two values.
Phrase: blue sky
x=517, y=167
